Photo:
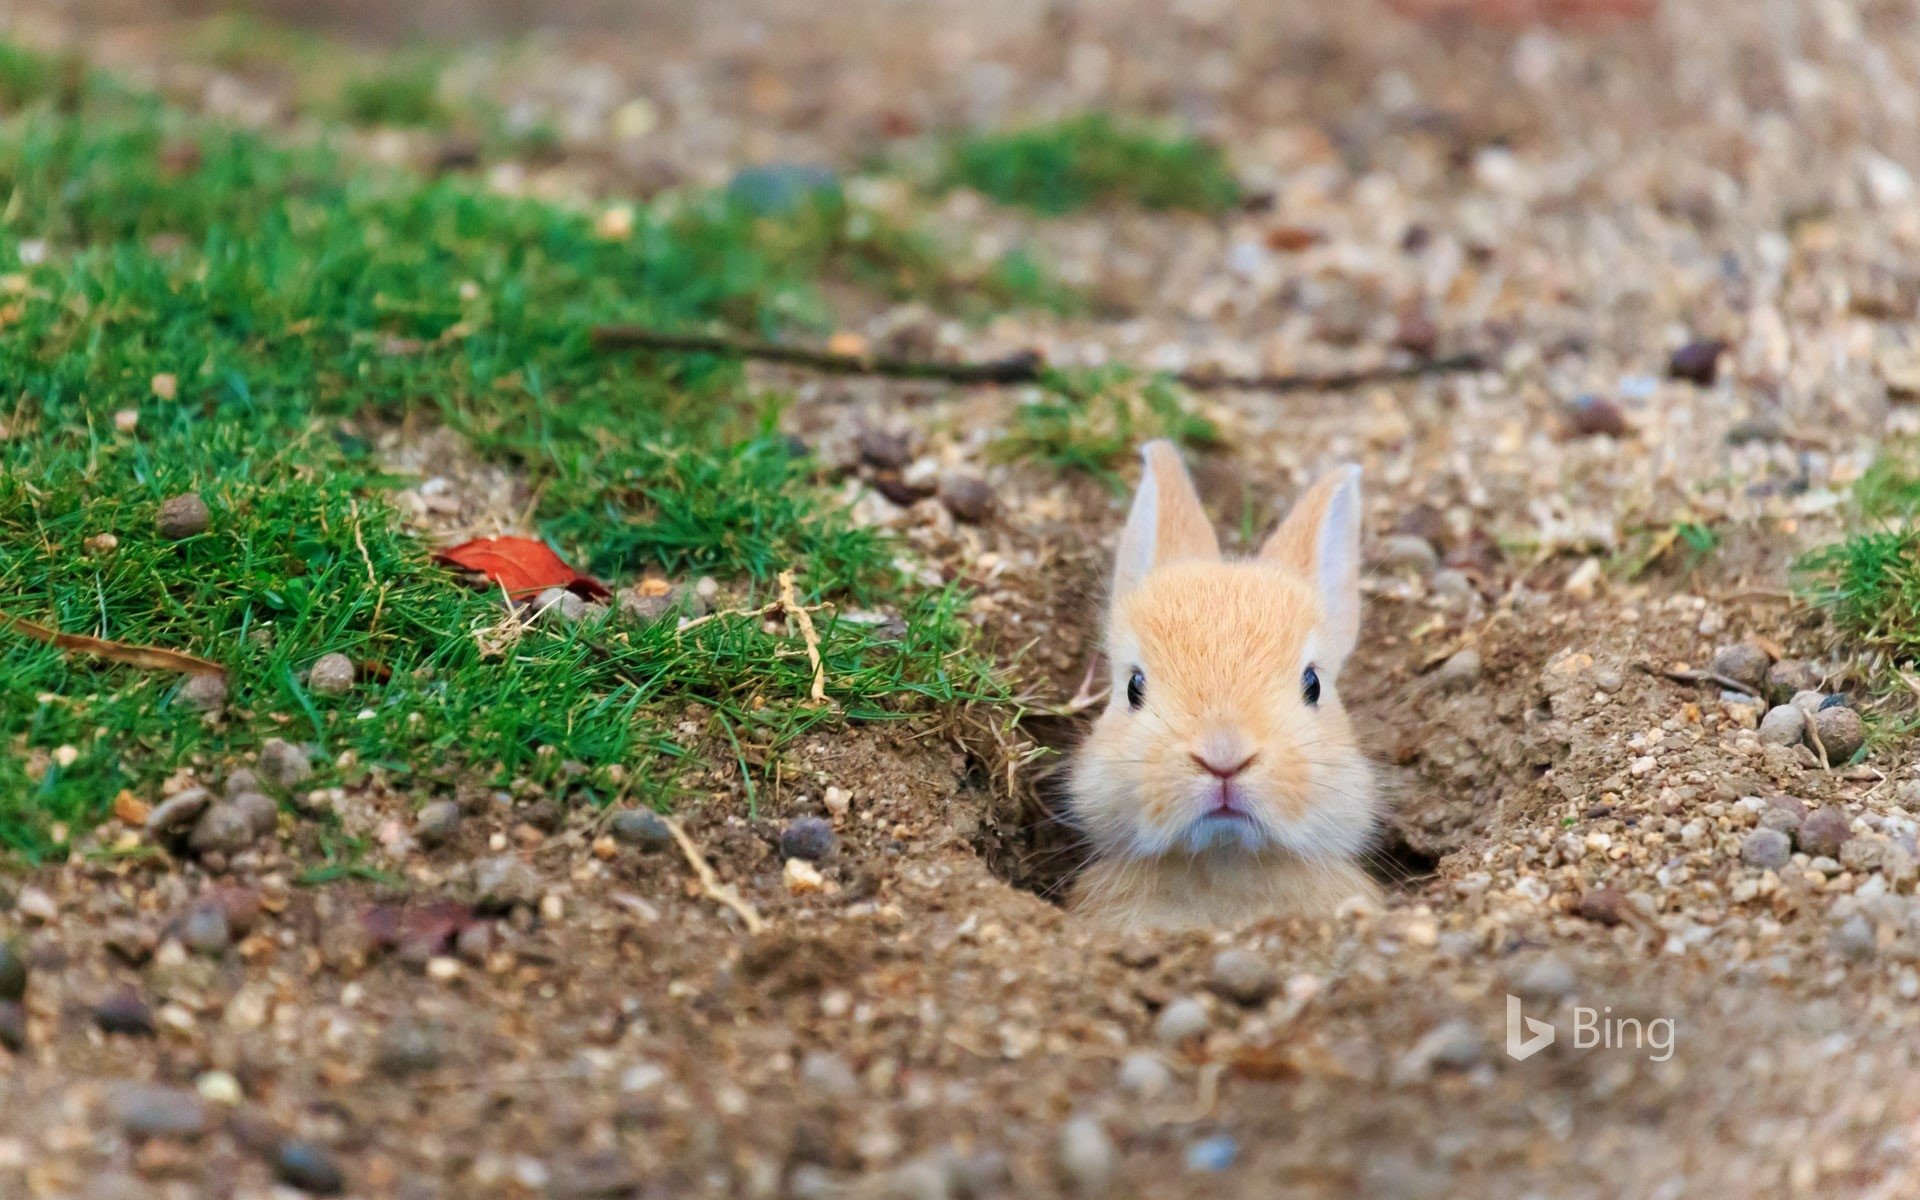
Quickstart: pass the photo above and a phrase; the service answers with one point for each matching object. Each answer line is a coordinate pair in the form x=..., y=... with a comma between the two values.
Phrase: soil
x=923, y=1019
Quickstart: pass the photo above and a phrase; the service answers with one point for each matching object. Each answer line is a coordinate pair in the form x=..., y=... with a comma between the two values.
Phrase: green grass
x=1093, y=421
x=303, y=304
x=400, y=94
x=1094, y=160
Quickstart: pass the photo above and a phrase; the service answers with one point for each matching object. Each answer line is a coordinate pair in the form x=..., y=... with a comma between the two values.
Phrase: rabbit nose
x=1223, y=757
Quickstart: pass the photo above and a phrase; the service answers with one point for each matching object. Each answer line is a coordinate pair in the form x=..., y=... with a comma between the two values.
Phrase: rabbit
x=1222, y=784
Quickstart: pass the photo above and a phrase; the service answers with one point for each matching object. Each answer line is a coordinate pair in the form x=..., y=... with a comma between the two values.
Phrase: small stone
x=222, y=829
x=888, y=451
x=202, y=693
x=967, y=497
x=218, y=1087
x=643, y=606
x=1854, y=939
x=13, y=1025
x=1808, y=702
x=308, y=1167
x=205, y=930
x=240, y=781
x=284, y=764
x=151, y=1110
x=1783, y=813
x=1824, y=831
x=1460, y=672
x=1784, y=725
x=504, y=883
x=1087, y=1155
x=1545, y=978
x=1861, y=855
x=1242, y=977
x=1742, y=662
x=330, y=675
x=560, y=606
x=1766, y=849
x=183, y=517
x=1791, y=675
x=1214, y=1153
x=828, y=1074
x=1145, y=1074
x=641, y=827
x=802, y=877
x=475, y=942
x=13, y=972
x=1841, y=733
x=1183, y=1018
x=408, y=1047
x=918, y=1179
x=1698, y=361
x=36, y=905
x=437, y=823
x=1595, y=416
x=125, y=1012
x=810, y=838
x=262, y=814
x=837, y=801
x=1603, y=905
x=177, y=813
x=1451, y=1046
x=1453, y=585
x=1407, y=552
x=1825, y=865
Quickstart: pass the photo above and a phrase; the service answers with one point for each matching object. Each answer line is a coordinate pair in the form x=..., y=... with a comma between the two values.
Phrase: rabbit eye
x=1136, y=688
x=1310, y=686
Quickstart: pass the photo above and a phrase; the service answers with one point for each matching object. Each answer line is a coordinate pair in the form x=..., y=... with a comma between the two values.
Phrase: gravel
x=330, y=675
x=1145, y=1074
x=284, y=764
x=177, y=814
x=809, y=838
x=1182, y=1019
x=1784, y=725
x=641, y=827
x=202, y=693
x=1824, y=832
x=1088, y=1157
x=438, y=823
x=123, y=1011
x=205, y=930
x=503, y=883
x=1854, y=939
x=262, y=814
x=1766, y=849
x=183, y=517
x=1242, y=977
x=1783, y=813
x=308, y=1167
x=1841, y=733
x=222, y=829
x=1742, y=662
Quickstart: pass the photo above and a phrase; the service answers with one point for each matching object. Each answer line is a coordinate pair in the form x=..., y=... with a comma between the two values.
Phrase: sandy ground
x=1574, y=204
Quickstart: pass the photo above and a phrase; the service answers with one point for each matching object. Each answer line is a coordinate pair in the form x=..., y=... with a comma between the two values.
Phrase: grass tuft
x=1092, y=422
x=1093, y=160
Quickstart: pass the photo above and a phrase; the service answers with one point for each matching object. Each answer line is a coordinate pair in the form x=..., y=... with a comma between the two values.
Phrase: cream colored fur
x=1222, y=647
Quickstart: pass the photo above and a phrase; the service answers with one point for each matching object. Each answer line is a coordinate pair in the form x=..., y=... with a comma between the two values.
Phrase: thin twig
x=722, y=893
x=1025, y=367
x=804, y=619
x=1699, y=677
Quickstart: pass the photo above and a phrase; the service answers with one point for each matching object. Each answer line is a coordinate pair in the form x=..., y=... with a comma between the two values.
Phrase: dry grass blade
x=791, y=602
x=722, y=893
x=154, y=658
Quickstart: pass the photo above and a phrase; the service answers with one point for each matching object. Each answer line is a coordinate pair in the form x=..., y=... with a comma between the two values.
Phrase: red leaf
x=523, y=566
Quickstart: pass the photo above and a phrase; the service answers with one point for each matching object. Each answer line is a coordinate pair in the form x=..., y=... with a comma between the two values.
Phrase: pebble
x=1742, y=662
x=262, y=814
x=240, y=781
x=1087, y=1155
x=645, y=607
x=1854, y=939
x=1460, y=672
x=969, y=498
x=1861, y=855
x=475, y=941
x=222, y=829
x=408, y=1047
x=560, y=606
x=1603, y=905
x=1809, y=701
x=1183, y=1018
x=182, y=517
x=641, y=827
x=1545, y=978
x=504, y=882
x=1452, y=1046
x=1823, y=832
x=202, y=693
x=1792, y=675
x=330, y=675
x=36, y=905
x=437, y=823
x=1698, y=361
x=1145, y=1074
x=1453, y=585
x=205, y=930
x=284, y=764
x=888, y=451
x=125, y=1012
x=218, y=1087
x=1407, y=552
x=177, y=813
x=1783, y=813
x=1841, y=733
x=837, y=801
x=1596, y=416
x=1242, y=977
x=308, y=1167
x=13, y=972
x=828, y=1074
x=1214, y=1153
x=1766, y=849
x=1784, y=725
x=13, y=1025
x=151, y=1110
x=809, y=838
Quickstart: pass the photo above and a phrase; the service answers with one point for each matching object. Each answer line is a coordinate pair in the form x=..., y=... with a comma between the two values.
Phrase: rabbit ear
x=1167, y=521
x=1321, y=540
